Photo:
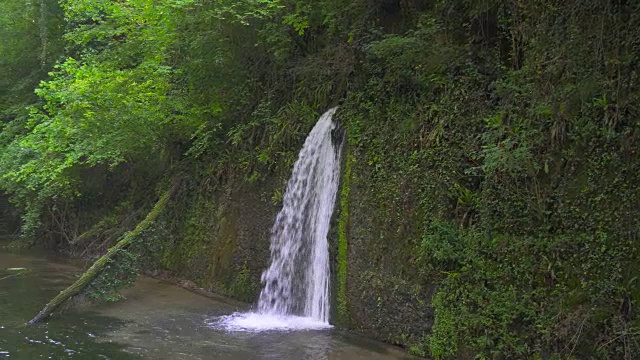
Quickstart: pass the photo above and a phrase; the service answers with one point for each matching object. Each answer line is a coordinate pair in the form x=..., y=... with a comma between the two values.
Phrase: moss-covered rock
x=220, y=238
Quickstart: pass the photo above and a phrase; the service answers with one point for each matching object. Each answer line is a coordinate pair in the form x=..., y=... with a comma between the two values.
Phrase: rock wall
x=219, y=238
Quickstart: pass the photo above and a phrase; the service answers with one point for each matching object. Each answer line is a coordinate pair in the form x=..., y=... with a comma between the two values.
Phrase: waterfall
x=297, y=281
x=295, y=293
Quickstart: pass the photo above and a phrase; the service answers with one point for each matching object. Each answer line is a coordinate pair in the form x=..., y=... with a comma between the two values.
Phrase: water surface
x=156, y=320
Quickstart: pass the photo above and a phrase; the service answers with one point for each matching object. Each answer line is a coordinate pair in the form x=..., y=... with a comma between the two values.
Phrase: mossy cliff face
x=219, y=238
x=493, y=185
x=453, y=267
x=380, y=292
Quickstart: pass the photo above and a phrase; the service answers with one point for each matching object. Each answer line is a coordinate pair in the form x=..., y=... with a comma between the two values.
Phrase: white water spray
x=295, y=292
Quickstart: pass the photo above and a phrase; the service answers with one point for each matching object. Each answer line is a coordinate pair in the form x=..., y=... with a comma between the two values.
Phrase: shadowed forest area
x=488, y=205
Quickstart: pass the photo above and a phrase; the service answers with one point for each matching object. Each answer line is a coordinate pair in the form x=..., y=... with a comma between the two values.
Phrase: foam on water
x=256, y=322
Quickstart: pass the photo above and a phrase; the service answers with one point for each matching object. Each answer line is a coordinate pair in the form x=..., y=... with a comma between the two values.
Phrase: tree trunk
x=97, y=266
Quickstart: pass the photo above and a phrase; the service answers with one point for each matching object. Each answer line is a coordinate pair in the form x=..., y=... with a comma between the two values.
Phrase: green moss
x=188, y=252
x=343, y=227
x=223, y=248
x=243, y=287
x=210, y=237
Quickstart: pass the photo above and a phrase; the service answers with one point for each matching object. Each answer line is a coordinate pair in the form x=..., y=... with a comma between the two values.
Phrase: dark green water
x=155, y=321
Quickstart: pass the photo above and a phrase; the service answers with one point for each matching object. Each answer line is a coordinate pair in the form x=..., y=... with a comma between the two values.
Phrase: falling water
x=295, y=290
x=297, y=282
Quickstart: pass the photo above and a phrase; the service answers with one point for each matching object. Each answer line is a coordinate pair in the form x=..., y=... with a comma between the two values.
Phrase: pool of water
x=156, y=320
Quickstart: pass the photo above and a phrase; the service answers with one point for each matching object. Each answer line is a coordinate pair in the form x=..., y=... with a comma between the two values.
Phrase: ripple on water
x=255, y=322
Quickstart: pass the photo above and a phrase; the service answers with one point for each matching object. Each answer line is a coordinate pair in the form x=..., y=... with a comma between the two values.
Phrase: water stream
x=156, y=320
x=297, y=282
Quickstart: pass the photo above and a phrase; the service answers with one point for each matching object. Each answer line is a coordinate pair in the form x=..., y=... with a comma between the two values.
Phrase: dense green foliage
x=516, y=135
x=489, y=206
x=30, y=40
x=111, y=102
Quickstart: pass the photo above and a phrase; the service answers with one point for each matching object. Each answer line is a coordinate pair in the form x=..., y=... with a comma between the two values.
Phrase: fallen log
x=99, y=264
